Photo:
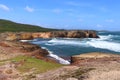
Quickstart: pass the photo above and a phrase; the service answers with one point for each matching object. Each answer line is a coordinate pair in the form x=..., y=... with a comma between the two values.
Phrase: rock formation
x=25, y=49
x=67, y=34
x=94, y=56
x=62, y=34
x=11, y=39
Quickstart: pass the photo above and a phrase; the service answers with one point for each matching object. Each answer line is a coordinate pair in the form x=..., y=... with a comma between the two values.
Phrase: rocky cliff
x=54, y=34
x=15, y=48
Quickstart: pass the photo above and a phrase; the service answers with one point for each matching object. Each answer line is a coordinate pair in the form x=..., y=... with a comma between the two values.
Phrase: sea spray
x=105, y=45
x=66, y=41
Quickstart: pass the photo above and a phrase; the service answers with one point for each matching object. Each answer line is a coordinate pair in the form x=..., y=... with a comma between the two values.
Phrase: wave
x=29, y=40
x=112, y=46
x=25, y=40
x=103, y=43
x=61, y=60
x=105, y=37
x=66, y=42
x=39, y=42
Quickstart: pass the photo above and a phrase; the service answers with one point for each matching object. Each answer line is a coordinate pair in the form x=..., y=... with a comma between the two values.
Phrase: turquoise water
x=108, y=42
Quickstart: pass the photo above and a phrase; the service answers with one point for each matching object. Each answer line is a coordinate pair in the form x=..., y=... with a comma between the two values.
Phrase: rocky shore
x=87, y=66
x=11, y=40
x=15, y=48
x=62, y=34
x=95, y=56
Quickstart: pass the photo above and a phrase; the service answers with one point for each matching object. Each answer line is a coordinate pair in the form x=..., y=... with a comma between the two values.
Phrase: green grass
x=38, y=65
x=9, y=26
x=1, y=63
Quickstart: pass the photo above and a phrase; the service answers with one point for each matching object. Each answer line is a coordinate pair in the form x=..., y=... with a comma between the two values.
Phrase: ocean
x=109, y=42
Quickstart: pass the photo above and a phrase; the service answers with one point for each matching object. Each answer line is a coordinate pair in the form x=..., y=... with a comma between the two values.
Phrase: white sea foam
x=61, y=60
x=38, y=42
x=25, y=40
x=66, y=42
x=105, y=45
x=105, y=37
x=29, y=40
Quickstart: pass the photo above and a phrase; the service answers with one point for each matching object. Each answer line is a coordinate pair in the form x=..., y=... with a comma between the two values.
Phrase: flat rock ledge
x=94, y=56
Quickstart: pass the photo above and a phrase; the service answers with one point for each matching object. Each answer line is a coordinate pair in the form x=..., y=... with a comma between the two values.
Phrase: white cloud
x=99, y=25
x=109, y=20
x=103, y=9
x=57, y=10
x=80, y=20
x=29, y=9
x=72, y=3
x=78, y=4
x=4, y=7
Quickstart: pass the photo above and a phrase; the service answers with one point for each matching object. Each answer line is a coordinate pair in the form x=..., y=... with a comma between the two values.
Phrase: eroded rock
x=67, y=34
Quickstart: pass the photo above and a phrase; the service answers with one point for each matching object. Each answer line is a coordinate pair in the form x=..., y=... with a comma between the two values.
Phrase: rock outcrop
x=95, y=56
x=11, y=39
x=67, y=34
x=62, y=34
x=10, y=36
x=25, y=49
x=105, y=66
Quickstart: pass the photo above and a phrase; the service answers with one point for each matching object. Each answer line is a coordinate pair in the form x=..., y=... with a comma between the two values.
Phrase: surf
x=59, y=59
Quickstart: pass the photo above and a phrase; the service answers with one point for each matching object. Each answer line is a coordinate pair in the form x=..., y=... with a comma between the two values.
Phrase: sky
x=64, y=14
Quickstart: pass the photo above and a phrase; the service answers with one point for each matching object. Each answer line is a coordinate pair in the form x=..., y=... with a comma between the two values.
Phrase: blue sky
x=64, y=14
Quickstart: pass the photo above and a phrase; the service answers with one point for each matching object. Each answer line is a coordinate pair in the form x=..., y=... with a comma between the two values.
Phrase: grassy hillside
x=6, y=25
x=39, y=65
x=27, y=66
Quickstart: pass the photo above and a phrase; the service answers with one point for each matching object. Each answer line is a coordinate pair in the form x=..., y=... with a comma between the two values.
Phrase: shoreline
x=85, y=66
x=24, y=36
x=54, y=57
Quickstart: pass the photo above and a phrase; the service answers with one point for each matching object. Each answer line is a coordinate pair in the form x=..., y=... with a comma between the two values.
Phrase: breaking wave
x=105, y=45
x=61, y=60
x=104, y=42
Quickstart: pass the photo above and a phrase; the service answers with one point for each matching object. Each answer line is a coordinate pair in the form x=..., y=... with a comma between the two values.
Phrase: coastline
x=86, y=66
x=25, y=36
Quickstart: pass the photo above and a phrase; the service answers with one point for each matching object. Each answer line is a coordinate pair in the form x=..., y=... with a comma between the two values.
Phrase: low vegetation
x=9, y=26
x=26, y=64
